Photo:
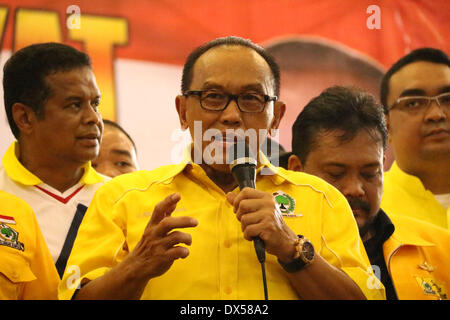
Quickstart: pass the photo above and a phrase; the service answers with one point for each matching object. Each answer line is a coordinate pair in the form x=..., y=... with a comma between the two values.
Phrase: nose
x=231, y=116
x=352, y=188
x=91, y=115
x=435, y=112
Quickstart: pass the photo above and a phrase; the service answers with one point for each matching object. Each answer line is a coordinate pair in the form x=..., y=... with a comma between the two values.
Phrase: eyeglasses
x=421, y=103
x=219, y=101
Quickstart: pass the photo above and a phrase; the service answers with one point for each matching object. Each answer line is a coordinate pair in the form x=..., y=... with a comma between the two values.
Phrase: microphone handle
x=247, y=183
x=258, y=243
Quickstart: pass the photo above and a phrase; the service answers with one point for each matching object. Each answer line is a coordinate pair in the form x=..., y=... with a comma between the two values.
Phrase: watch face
x=308, y=251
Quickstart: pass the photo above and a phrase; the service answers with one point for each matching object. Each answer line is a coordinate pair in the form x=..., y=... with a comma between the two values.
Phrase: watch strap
x=298, y=263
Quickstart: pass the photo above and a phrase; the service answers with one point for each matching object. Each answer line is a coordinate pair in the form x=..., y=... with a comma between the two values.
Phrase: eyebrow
x=78, y=98
x=420, y=92
x=412, y=92
x=373, y=164
x=444, y=89
x=122, y=152
x=340, y=165
x=254, y=86
x=211, y=85
x=335, y=164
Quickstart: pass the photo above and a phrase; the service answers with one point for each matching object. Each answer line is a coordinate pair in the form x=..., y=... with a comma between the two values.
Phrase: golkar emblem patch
x=431, y=287
x=10, y=237
x=285, y=203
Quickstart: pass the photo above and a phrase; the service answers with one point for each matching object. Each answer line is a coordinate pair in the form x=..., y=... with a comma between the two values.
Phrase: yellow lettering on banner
x=100, y=35
x=3, y=16
x=34, y=26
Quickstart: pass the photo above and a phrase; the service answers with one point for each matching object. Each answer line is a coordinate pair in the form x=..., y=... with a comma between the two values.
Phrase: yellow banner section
x=97, y=34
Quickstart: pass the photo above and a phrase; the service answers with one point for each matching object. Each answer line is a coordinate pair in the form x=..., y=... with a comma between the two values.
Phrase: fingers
x=177, y=253
x=173, y=250
x=230, y=197
x=177, y=237
x=246, y=193
x=249, y=201
x=169, y=223
x=164, y=208
x=251, y=219
x=252, y=231
x=247, y=206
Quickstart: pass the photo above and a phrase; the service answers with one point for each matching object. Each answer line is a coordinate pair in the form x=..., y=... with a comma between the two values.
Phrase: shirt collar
x=407, y=181
x=265, y=168
x=406, y=235
x=384, y=228
x=397, y=236
x=17, y=172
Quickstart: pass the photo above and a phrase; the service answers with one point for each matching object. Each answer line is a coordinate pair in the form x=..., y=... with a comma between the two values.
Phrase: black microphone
x=243, y=167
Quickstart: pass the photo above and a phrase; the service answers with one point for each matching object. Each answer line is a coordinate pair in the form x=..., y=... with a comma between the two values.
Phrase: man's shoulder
x=138, y=180
x=406, y=226
x=12, y=204
x=309, y=182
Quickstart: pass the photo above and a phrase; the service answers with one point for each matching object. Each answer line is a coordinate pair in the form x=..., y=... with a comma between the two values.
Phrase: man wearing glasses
x=415, y=93
x=127, y=246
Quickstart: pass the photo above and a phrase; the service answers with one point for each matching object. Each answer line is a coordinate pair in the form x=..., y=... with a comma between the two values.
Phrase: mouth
x=437, y=133
x=227, y=139
x=358, y=212
x=89, y=140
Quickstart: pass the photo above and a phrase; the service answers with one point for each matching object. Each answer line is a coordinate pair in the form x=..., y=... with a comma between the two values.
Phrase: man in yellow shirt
x=129, y=242
x=415, y=93
x=26, y=267
x=341, y=137
x=51, y=102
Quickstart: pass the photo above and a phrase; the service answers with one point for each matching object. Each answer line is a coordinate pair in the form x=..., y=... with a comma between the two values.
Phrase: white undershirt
x=443, y=199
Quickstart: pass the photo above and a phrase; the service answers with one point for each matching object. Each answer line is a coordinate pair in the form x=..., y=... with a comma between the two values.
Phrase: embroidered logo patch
x=10, y=237
x=431, y=287
x=285, y=202
x=7, y=219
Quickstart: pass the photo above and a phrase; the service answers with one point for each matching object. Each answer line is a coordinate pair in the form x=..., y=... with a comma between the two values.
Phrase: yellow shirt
x=54, y=210
x=26, y=267
x=404, y=194
x=417, y=256
x=221, y=263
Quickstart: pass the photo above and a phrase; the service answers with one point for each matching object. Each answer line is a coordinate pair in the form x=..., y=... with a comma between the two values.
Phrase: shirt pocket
x=15, y=273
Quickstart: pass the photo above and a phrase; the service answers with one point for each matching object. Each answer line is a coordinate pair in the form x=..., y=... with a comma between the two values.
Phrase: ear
x=180, y=103
x=294, y=163
x=279, y=109
x=24, y=117
x=386, y=117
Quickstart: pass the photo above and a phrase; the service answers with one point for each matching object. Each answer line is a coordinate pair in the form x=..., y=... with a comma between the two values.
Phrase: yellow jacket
x=221, y=263
x=26, y=267
x=404, y=194
x=417, y=256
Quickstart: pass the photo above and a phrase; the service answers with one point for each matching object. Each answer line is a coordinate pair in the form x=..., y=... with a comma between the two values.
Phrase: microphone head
x=239, y=153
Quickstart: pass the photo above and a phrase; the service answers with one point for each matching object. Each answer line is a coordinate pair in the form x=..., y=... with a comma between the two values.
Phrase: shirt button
x=227, y=244
x=228, y=290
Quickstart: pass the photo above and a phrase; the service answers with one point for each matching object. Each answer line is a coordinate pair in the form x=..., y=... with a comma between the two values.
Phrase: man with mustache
x=341, y=136
x=51, y=102
x=127, y=248
x=415, y=93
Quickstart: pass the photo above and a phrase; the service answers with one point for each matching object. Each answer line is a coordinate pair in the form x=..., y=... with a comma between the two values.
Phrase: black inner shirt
x=383, y=229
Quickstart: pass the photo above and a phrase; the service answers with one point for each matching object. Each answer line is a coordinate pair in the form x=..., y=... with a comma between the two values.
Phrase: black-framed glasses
x=421, y=103
x=218, y=101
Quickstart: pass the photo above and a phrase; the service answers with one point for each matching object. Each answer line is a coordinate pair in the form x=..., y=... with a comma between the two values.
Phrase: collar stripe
x=61, y=199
